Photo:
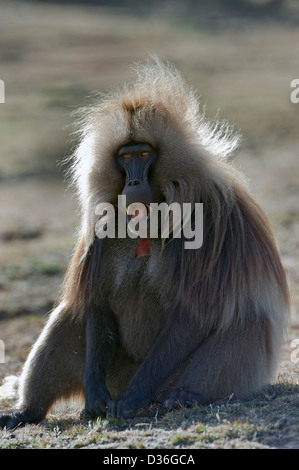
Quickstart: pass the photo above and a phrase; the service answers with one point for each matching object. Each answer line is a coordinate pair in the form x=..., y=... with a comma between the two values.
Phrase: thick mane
x=160, y=108
x=147, y=321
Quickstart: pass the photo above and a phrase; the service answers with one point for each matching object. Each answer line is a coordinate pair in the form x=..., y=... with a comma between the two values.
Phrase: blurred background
x=240, y=55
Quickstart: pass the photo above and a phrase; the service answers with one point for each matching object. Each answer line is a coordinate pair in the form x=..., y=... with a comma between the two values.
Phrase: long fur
x=233, y=290
x=159, y=107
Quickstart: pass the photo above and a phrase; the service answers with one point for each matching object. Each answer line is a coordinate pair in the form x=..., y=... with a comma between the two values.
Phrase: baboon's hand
x=120, y=408
x=96, y=403
x=17, y=418
x=98, y=409
x=181, y=397
x=127, y=404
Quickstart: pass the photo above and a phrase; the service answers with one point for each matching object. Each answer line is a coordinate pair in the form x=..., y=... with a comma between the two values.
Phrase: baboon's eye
x=126, y=156
x=144, y=154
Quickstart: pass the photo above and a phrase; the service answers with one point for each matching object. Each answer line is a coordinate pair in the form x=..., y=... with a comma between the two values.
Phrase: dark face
x=137, y=160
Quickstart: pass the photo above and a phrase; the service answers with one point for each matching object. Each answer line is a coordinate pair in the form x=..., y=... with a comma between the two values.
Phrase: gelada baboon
x=149, y=321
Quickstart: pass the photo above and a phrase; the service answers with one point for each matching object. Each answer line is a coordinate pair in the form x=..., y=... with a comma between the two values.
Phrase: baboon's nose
x=134, y=182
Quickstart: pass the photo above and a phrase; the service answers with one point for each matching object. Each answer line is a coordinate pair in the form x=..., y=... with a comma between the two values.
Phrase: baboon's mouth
x=138, y=211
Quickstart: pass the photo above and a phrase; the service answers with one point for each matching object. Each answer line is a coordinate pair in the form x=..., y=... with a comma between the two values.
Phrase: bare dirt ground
x=51, y=57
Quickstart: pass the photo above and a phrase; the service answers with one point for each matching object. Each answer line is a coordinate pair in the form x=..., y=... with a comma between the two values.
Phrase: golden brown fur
x=211, y=320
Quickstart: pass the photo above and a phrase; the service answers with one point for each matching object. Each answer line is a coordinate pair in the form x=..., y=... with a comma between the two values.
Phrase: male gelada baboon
x=149, y=321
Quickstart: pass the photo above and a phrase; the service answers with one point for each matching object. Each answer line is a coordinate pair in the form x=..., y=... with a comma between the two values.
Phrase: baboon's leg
x=54, y=369
x=237, y=361
x=100, y=352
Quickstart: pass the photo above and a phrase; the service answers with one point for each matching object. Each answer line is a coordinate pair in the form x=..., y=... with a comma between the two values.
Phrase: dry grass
x=52, y=56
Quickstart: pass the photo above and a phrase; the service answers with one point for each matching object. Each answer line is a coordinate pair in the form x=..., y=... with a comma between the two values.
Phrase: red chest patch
x=143, y=248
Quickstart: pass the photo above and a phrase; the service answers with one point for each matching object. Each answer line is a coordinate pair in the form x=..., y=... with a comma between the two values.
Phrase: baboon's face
x=136, y=161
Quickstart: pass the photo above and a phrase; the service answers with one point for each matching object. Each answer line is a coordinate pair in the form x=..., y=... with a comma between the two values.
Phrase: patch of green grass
x=183, y=439
x=201, y=428
x=116, y=423
x=94, y=439
x=241, y=430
